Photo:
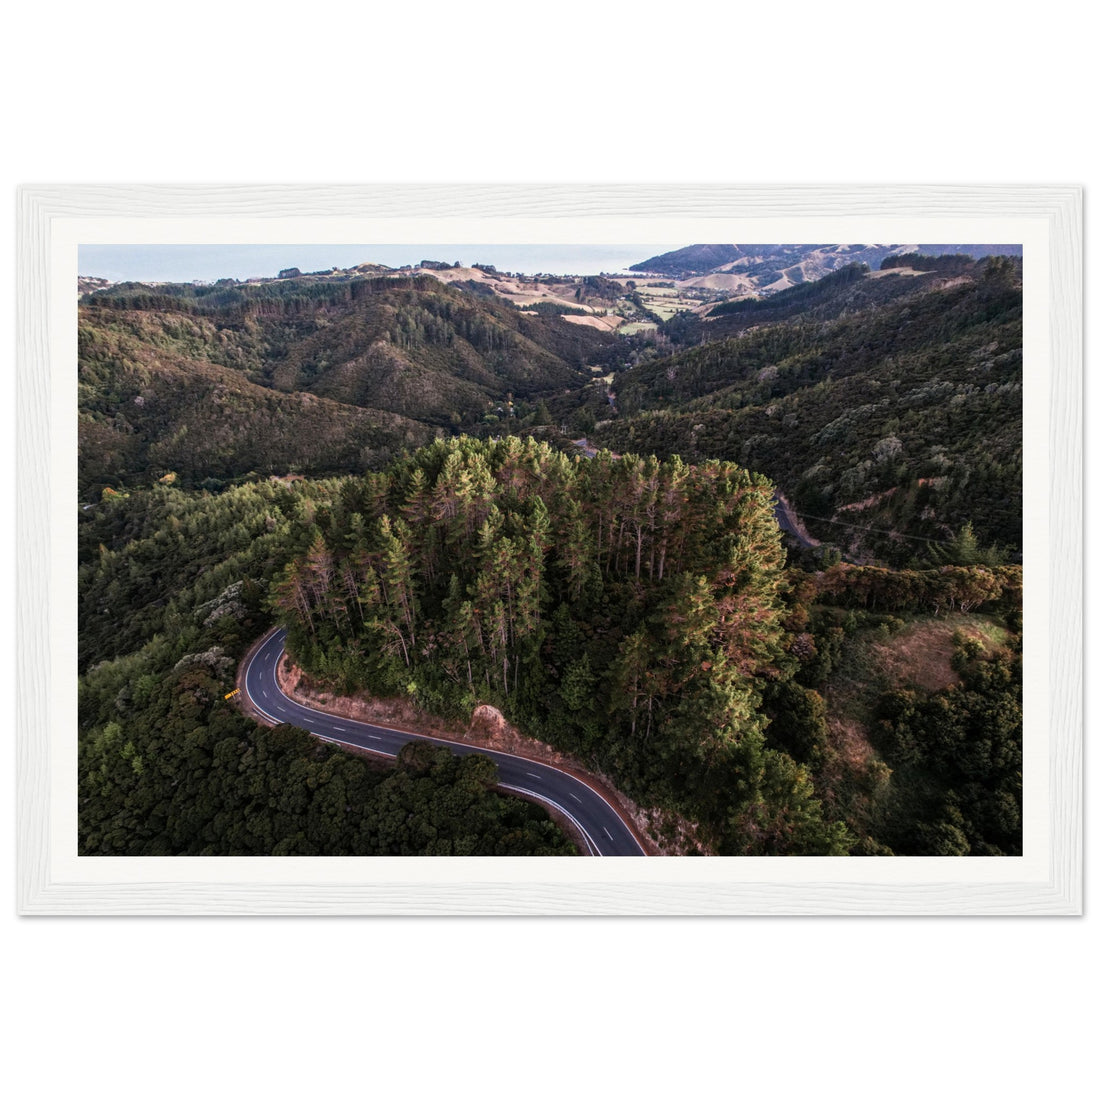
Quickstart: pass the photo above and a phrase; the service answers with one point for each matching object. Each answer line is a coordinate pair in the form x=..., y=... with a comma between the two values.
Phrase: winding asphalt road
x=604, y=831
x=789, y=522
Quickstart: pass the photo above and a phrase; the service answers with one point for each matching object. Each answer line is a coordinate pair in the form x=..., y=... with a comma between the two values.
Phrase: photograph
x=713, y=552
x=525, y=552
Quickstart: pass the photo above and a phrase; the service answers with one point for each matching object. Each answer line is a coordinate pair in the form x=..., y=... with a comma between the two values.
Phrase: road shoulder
x=485, y=734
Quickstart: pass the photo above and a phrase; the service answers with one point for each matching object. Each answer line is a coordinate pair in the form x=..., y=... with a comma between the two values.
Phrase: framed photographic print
x=521, y=549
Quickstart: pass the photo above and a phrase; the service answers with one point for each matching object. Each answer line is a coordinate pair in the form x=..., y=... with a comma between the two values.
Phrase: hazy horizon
x=209, y=262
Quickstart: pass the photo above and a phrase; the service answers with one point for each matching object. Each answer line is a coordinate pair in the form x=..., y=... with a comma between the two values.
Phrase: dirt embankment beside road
x=659, y=833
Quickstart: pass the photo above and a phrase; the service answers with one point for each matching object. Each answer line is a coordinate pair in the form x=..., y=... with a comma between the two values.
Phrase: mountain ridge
x=772, y=267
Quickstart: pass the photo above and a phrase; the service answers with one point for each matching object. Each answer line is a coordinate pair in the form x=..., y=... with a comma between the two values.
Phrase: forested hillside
x=636, y=611
x=148, y=412
x=172, y=591
x=216, y=382
x=891, y=423
x=631, y=612
x=626, y=611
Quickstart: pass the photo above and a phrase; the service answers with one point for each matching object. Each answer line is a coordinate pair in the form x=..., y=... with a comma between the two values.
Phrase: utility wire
x=876, y=530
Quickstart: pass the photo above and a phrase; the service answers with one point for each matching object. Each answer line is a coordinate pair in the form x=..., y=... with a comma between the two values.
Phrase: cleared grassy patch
x=667, y=307
x=918, y=656
x=878, y=656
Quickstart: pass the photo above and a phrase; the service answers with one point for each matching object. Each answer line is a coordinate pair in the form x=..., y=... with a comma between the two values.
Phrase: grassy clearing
x=667, y=307
x=874, y=660
x=606, y=322
x=918, y=657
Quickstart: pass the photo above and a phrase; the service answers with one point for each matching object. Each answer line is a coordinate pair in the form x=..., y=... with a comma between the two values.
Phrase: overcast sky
x=184, y=262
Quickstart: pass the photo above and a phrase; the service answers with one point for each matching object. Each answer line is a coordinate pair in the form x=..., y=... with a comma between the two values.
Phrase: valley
x=664, y=520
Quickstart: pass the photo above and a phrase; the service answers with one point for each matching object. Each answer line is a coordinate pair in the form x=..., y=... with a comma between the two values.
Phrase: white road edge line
x=280, y=635
x=353, y=745
x=593, y=850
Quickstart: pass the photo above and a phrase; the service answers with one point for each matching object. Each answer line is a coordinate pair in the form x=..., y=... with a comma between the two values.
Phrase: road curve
x=604, y=831
x=789, y=522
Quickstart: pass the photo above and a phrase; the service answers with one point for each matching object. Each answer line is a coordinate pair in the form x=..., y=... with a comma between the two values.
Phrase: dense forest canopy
x=640, y=612
x=902, y=418
x=219, y=382
x=168, y=767
x=626, y=610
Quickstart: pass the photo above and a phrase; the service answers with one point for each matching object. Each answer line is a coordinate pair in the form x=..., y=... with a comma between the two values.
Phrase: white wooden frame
x=53, y=220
